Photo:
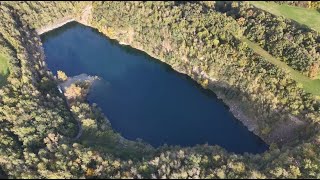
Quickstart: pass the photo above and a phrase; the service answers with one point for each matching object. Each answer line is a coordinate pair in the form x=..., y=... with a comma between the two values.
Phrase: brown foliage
x=73, y=92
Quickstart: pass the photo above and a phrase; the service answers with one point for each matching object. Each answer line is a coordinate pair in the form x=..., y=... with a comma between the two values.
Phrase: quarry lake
x=143, y=97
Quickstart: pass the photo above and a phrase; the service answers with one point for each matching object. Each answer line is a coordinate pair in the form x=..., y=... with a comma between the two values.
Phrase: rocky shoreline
x=54, y=25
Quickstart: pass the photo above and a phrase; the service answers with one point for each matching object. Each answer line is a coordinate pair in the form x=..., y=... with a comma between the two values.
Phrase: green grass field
x=4, y=70
x=308, y=17
x=309, y=85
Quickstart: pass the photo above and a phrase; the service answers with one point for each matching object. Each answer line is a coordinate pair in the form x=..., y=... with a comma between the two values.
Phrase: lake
x=143, y=97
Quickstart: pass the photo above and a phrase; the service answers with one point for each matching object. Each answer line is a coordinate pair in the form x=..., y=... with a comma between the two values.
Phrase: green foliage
x=285, y=39
x=309, y=85
x=38, y=126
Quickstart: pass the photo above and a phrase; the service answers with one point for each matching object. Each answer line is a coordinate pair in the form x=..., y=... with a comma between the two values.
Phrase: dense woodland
x=38, y=128
x=291, y=42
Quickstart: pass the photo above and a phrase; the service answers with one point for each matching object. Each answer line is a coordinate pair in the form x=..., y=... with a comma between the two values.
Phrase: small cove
x=143, y=97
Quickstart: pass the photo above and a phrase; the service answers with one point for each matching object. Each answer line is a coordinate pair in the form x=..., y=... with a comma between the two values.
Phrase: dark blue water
x=144, y=98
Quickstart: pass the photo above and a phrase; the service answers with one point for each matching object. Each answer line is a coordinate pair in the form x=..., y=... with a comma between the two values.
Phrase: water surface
x=144, y=98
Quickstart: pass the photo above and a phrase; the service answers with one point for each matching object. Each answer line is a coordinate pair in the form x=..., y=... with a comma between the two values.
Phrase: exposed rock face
x=84, y=18
x=55, y=25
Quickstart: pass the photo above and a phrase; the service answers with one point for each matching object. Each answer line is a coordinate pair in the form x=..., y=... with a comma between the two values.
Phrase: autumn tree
x=62, y=75
x=73, y=91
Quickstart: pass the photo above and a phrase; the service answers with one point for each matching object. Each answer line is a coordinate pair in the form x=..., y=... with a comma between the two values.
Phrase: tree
x=62, y=75
x=216, y=42
x=73, y=91
x=89, y=123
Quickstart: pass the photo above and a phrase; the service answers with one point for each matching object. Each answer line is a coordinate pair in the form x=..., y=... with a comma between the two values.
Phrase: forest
x=201, y=39
x=283, y=38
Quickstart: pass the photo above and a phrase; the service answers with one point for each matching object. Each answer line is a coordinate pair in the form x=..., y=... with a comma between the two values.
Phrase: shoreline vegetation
x=250, y=124
x=37, y=122
x=279, y=137
x=75, y=90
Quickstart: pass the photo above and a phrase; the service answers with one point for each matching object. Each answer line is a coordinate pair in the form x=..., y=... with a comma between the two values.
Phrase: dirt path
x=79, y=125
x=86, y=15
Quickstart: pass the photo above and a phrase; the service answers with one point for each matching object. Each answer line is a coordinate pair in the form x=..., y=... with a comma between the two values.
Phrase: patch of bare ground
x=286, y=131
x=86, y=15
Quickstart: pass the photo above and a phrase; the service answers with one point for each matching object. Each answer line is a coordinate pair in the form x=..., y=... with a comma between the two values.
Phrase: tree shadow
x=3, y=80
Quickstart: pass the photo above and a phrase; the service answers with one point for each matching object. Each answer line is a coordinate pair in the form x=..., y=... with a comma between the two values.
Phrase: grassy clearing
x=309, y=85
x=308, y=17
x=4, y=69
